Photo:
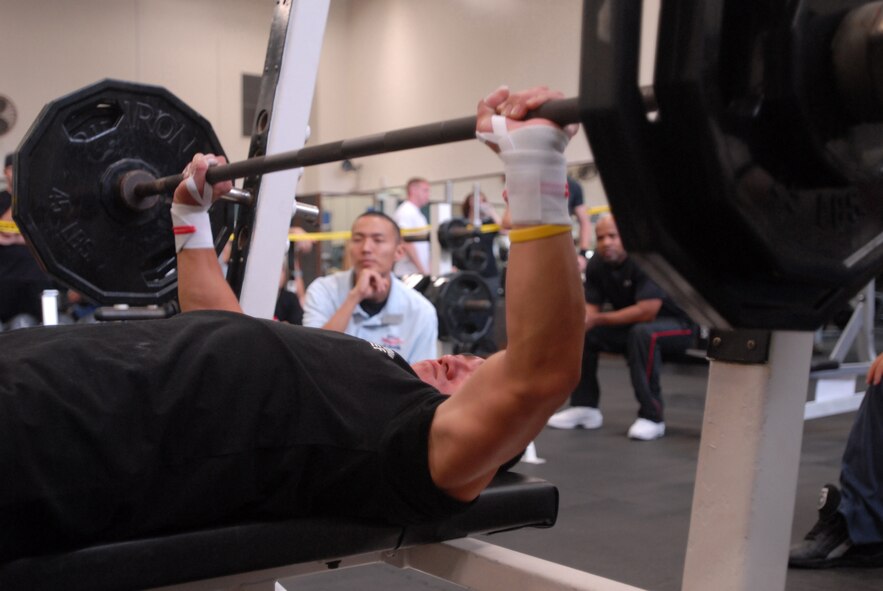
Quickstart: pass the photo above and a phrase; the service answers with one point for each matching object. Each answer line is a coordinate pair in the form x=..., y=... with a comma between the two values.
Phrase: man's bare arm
x=201, y=284
x=341, y=317
x=641, y=311
x=585, y=227
x=506, y=402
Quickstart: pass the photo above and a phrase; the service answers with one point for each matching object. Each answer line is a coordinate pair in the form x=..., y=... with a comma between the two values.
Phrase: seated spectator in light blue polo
x=371, y=303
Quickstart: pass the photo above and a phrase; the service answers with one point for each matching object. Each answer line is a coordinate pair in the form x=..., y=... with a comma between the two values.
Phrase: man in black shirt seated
x=643, y=324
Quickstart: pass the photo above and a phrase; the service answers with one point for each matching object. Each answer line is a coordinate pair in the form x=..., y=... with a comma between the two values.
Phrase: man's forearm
x=341, y=317
x=499, y=409
x=201, y=285
x=585, y=228
x=644, y=311
x=585, y=231
x=539, y=323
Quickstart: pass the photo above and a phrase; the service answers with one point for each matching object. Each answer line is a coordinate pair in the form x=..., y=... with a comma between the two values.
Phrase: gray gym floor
x=625, y=505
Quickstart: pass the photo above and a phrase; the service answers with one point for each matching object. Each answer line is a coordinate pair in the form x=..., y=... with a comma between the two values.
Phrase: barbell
x=68, y=199
x=752, y=190
x=96, y=171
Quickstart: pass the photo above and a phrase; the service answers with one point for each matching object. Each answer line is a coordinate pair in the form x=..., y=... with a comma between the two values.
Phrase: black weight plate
x=751, y=196
x=456, y=323
x=470, y=257
x=66, y=202
x=446, y=230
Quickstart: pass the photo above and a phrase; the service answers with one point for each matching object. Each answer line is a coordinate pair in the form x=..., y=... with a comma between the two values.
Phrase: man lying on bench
x=116, y=431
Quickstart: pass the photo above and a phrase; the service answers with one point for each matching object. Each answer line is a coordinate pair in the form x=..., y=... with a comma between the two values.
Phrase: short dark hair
x=8, y=161
x=383, y=216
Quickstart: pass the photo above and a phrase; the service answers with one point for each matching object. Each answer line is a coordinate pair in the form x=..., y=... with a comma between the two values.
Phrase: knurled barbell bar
x=95, y=174
x=563, y=112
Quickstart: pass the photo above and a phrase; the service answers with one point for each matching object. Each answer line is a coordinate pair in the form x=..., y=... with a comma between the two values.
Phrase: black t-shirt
x=21, y=278
x=114, y=431
x=624, y=286
x=16, y=261
x=288, y=308
x=372, y=308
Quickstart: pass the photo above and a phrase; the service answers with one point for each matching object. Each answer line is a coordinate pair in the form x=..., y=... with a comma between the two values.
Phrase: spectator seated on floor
x=643, y=325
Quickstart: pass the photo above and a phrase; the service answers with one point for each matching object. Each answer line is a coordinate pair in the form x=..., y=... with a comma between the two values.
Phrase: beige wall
x=198, y=49
x=407, y=62
x=385, y=64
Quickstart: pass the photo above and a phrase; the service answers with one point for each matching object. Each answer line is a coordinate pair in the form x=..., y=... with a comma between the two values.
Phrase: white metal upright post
x=288, y=131
x=743, y=500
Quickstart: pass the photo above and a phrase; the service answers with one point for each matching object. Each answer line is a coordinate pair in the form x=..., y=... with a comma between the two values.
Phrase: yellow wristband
x=537, y=232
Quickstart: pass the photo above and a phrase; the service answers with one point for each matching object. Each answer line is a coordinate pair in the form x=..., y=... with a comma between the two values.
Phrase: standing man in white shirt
x=368, y=301
x=408, y=215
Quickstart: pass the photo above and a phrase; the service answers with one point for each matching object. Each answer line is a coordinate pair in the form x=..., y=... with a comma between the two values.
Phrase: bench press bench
x=231, y=554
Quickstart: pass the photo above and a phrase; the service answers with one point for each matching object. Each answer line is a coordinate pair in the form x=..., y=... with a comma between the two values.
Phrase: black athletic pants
x=643, y=345
x=861, y=476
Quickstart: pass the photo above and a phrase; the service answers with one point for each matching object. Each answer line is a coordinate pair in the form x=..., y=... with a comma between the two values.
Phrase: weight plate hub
x=755, y=194
x=69, y=168
x=452, y=234
x=458, y=321
x=471, y=256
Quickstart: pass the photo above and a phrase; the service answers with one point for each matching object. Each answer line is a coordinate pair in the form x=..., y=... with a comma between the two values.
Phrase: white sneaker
x=646, y=430
x=586, y=417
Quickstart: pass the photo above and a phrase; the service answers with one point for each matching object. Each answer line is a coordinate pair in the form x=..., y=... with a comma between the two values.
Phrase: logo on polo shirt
x=393, y=342
x=383, y=349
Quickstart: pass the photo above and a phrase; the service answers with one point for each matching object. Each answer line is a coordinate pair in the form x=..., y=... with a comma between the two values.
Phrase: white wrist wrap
x=205, y=197
x=192, y=226
x=536, y=172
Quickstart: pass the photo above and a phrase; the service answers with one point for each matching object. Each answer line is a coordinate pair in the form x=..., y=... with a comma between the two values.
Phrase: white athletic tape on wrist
x=204, y=199
x=536, y=171
x=192, y=227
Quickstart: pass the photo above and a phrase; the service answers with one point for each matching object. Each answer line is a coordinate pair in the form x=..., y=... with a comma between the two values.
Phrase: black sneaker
x=827, y=544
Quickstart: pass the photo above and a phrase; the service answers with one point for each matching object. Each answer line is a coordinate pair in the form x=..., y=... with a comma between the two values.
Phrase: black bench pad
x=512, y=501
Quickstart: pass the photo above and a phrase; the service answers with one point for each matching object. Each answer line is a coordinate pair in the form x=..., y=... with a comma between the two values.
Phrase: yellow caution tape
x=345, y=235
x=11, y=228
x=319, y=236
x=417, y=230
x=8, y=227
